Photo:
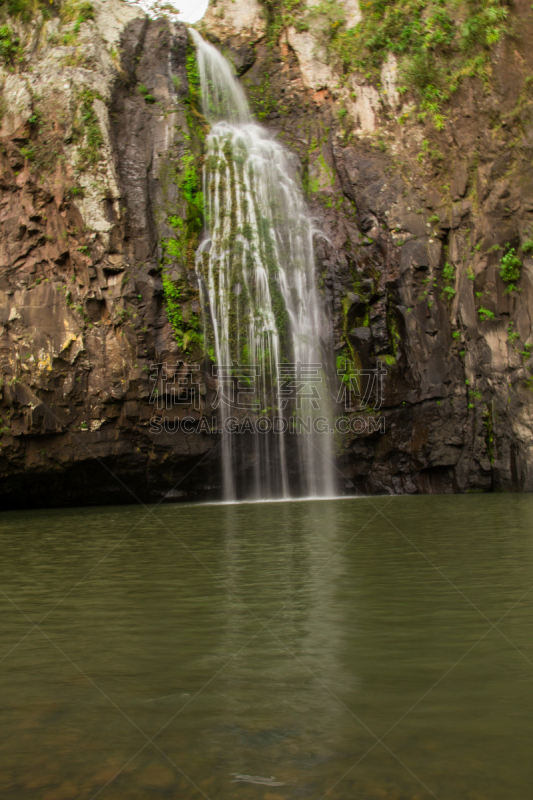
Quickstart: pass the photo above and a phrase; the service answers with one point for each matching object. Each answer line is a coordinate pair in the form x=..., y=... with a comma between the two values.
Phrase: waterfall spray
x=256, y=274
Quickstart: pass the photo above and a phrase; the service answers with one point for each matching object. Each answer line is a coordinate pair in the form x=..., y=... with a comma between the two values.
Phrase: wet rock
x=361, y=335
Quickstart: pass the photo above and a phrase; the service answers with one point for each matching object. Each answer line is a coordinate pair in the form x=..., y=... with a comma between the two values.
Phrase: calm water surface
x=345, y=649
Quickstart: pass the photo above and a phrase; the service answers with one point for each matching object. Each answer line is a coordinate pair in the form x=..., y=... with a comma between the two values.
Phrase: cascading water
x=256, y=274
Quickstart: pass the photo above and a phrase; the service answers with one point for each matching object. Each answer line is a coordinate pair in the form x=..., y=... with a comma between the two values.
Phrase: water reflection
x=264, y=645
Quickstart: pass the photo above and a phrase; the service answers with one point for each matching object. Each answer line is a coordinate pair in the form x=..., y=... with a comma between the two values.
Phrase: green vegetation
x=184, y=173
x=510, y=267
x=183, y=212
x=527, y=247
x=172, y=299
x=43, y=145
x=75, y=191
x=512, y=335
x=87, y=131
x=448, y=275
x=485, y=314
x=193, y=76
x=9, y=45
x=187, y=332
x=437, y=42
x=262, y=98
x=393, y=330
x=149, y=98
x=434, y=52
x=526, y=352
x=27, y=152
x=279, y=13
x=189, y=182
x=78, y=11
x=489, y=432
x=25, y=9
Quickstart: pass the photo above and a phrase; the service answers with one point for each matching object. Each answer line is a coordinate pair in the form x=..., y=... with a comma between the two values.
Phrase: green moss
x=186, y=327
x=183, y=213
x=45, y=147
x=261, y=96
x=193, y=76
x=189, y=183
x=489, y=433
x=448, y=275
x=278, y=14
x=85, y=12
x=149, y=98
x=513, y=335
x=510, y=268
x=9, y=45
x=185, y=172
x=393, y=329
x=77, y=11
x=28, y=152
x=25, y=10
x=86, y=129
x=172, y=294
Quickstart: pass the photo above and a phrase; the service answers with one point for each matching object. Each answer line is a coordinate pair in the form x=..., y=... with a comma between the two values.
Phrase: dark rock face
x=407, y=263
x=83, y=315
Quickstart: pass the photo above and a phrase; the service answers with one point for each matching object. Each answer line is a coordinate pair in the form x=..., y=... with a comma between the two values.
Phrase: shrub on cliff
x=510, y=267
x=9, y=44
x=26, y=9
x=70, y=10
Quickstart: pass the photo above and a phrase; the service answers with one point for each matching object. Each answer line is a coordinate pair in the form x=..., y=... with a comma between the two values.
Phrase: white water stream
x=256, y=273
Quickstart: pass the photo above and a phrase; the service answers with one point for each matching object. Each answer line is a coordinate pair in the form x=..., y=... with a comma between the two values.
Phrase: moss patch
x=87, y=132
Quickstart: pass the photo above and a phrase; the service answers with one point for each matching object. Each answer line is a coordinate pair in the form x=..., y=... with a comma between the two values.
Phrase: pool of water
x=351, y=649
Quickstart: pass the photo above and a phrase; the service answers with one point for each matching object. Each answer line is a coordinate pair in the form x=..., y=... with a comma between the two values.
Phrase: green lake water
x=356, y=649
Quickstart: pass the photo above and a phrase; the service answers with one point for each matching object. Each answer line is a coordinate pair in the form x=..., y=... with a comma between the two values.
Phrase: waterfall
x=256, y=273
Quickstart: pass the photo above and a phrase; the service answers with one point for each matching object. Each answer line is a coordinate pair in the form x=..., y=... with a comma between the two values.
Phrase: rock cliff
x=424, y=245
x=92, y=123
